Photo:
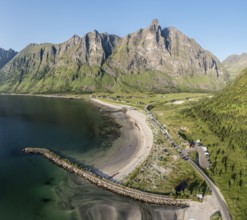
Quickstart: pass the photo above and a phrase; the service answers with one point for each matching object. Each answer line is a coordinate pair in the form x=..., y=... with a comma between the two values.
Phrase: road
x=215, y=191
x=223, y=208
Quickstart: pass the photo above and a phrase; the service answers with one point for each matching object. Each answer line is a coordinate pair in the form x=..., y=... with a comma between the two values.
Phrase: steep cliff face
x=166, y=50
x=235, y=64
x=74, y=65
x=92, y=49
x=151, y=59
x=142, y=50
x=6, y=56
x=169, y=59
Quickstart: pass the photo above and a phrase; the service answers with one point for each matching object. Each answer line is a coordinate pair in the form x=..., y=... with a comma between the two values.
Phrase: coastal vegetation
x=229, y=162
x=223, y=121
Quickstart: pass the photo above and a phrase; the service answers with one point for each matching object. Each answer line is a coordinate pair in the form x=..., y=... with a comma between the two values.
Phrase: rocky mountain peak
x=75, y=39
x=97, y=47
x=6, y=56
x=165, y=50
x=154, y=27
x=95, y=32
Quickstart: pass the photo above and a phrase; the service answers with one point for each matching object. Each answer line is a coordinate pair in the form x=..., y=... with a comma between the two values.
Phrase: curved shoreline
x=105, y=184
x=142, y=146
x=121, y=160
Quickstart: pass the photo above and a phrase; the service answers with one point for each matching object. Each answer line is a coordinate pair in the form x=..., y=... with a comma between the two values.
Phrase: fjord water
x=27, y=181
x=33, y=188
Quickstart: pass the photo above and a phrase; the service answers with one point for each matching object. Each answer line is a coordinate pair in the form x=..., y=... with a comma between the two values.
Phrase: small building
x=199, y=196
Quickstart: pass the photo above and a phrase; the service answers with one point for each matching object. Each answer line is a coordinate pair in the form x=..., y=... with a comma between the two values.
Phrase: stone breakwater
x=106, y=184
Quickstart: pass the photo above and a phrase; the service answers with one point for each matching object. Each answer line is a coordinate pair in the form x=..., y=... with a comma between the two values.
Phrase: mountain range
x=6, y=56
x=152, y=59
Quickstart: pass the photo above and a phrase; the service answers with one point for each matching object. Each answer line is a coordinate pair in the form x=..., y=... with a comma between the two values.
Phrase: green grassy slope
x=225, y=117
x=83, y=79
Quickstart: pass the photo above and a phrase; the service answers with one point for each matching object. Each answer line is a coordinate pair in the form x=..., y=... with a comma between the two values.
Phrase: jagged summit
x=155, y=22
x=165, y=50
x=75, y=39
x=154, y=25
x=100, y=61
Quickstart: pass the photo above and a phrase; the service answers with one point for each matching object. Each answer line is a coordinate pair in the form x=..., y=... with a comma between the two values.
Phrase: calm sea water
x=33, y=188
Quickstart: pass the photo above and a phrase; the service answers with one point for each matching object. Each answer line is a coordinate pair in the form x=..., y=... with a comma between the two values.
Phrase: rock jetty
x=106, y=184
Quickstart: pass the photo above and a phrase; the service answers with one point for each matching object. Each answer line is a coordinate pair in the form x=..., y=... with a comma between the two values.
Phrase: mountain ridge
x=235, y=64
x=6, y=56
x=151, y=59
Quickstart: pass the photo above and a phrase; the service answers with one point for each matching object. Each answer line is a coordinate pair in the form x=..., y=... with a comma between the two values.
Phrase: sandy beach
x=133, y=145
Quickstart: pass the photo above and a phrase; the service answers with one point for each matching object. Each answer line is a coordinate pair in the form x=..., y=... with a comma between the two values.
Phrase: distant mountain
x=6, y=56
x=234, y=64
x=151, y=59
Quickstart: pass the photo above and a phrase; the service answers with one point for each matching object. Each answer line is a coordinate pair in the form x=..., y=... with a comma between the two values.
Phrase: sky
x=219, y=26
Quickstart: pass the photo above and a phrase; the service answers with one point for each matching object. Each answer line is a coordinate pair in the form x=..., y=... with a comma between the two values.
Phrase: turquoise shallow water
x=34, y=188
x=27, y=182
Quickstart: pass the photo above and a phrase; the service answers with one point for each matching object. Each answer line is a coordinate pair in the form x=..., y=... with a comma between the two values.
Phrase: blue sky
x=217, y=25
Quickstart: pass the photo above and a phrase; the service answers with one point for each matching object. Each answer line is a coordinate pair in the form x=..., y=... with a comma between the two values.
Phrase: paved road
x=215, y=191
x=223, y=208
